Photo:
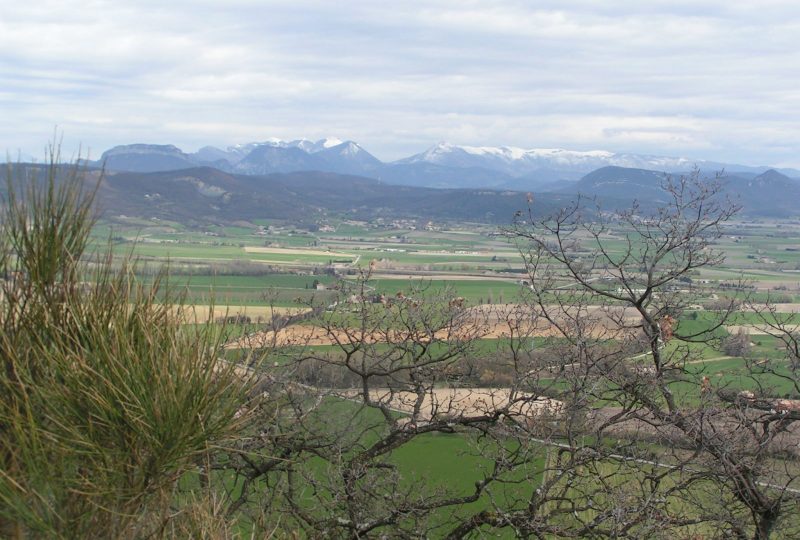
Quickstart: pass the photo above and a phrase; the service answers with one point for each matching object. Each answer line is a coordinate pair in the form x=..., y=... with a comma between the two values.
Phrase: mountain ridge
x=206, y=194
x=769, y=194
x=443, y=165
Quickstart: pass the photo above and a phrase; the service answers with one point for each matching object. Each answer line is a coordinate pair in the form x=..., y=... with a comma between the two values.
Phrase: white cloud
x=707, y=79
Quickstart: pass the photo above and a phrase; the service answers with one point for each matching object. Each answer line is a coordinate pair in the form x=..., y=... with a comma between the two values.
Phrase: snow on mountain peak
x=307, y=145
x=519, y=161
x=509, y=152
x=329, y=142
x=431, y=154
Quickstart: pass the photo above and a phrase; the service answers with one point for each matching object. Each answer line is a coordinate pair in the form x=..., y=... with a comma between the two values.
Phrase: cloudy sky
x=702, y=79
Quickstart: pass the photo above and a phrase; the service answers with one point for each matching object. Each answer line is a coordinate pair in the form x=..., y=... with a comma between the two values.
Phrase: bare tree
x=710, y=438
x=737, y=344
x=582, y=412
x=400, y=374
x=401, y=378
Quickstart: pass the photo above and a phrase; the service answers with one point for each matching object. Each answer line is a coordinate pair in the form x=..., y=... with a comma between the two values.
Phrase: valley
x=407, y=326
x=422, y=270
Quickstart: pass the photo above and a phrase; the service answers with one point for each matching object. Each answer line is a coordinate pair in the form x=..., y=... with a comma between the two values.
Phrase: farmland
x=268, y=264
x=428, y=379
x=345, y=275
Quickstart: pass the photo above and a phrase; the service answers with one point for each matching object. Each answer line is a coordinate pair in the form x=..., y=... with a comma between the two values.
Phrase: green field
x=213, y=264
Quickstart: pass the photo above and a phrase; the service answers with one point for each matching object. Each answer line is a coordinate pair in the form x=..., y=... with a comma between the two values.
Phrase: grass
x=472, y=290
x=211, y=252
x=280, y=290
x=431, y=465
x=451, y=464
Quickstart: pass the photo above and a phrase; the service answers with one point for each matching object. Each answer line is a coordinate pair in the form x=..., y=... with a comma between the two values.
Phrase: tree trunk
x=765, y=522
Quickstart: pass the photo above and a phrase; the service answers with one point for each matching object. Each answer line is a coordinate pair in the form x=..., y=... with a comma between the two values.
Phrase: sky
x=717, y=80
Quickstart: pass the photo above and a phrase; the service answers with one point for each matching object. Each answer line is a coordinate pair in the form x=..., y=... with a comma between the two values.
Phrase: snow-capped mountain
x=443, y=165
x=267, y=158
x=521, y=162
x=330, y=155
x=559, y=174
x=236, y=153
x=347, y=157
x=318, y=146
x=305, y=145
x=272, y=155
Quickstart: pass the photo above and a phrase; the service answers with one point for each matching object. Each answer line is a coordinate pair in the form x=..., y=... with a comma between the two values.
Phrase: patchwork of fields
x=257, y=275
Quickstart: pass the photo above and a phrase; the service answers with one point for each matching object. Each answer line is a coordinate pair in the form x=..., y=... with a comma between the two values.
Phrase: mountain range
x=442, y=166
x=302, y=180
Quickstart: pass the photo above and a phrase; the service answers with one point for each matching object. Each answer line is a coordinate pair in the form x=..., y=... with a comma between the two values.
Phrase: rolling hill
x=769, y=194
x=207, y=194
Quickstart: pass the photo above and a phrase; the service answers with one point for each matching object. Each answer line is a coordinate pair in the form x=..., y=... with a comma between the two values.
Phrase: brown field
x=784, y=308
x=481, y=322
x=201, y=314
x=757, y=329
x=453, y=402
